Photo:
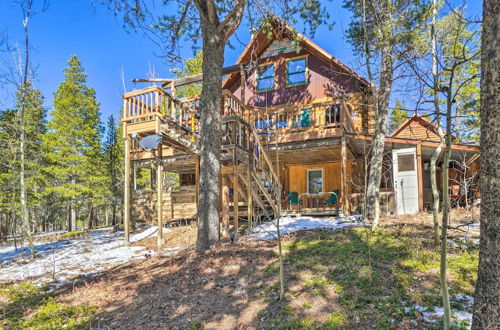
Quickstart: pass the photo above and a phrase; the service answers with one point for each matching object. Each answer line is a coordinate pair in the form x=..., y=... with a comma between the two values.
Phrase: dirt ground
x=181, y=290
x=233, y=286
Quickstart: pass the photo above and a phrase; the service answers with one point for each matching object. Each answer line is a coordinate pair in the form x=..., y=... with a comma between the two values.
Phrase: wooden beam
x=225, y=206
x=159, y=198
x=172, y=92
x=162, y=80
x=420, y=177
x=193, y=78
x=126, y=190
x=343, y=174
x=236, y=199
x=249, y=195
x=454, y=146
x=243, y=84
x=197, y=180
x=306, y=144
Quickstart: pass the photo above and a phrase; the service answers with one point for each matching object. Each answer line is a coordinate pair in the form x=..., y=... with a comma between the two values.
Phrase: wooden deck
x=250, y=181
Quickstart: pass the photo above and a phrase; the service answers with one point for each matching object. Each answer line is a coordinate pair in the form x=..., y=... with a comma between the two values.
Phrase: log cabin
x=297, y=126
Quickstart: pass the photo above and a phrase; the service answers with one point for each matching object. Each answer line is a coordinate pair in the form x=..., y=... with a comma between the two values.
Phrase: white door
x=405, y=180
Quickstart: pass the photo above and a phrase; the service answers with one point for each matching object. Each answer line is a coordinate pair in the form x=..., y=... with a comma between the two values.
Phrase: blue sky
x=99, y=39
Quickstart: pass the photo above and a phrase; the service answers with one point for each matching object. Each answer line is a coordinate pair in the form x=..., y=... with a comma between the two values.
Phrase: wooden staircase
x=246, y=164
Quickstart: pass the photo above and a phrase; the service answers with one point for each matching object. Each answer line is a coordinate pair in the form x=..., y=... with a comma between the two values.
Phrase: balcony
x=153, y=111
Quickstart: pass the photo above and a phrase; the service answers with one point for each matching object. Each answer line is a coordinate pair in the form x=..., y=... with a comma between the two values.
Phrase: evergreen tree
x=191, y=66
x=113, y=150
x=9, y=198
x=398, y=116
x=73, y=143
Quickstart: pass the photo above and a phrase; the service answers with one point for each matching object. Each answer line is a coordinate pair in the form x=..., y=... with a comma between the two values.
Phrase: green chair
x=334, y=199
x=293, y=199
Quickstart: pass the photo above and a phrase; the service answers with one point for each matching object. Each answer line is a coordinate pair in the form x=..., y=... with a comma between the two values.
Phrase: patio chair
x=334, y=199
x=293, y=199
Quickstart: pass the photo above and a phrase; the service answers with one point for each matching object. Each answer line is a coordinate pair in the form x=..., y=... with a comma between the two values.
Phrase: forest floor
x=344, y=278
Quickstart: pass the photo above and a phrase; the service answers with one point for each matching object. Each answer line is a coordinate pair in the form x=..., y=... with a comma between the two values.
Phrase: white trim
x=322, y=179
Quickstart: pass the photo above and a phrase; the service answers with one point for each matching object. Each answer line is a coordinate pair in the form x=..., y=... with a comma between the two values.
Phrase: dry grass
x=349, y=278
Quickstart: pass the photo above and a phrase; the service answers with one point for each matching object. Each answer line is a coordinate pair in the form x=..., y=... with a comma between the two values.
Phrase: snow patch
x=267, y=230
x=148, y=232
x=91, y=254
x=432, y=315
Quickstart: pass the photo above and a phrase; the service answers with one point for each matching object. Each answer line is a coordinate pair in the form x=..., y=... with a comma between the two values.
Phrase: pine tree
x=73, y=143
x=191, y=66
x=113, y=150
x=9, y=198
x=398, y=116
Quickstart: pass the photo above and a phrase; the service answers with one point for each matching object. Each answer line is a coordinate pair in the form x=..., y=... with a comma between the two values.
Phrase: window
x=332, y=114
x=296, y=71
x=265, y=77
x=406, y=162
x=315, y=181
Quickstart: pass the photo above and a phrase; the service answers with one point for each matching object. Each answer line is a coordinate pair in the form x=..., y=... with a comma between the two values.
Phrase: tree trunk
x=444, y=230
x=113, y=216
x=437, y=151
x=446, y=206
x=210, y=137
x=377, y=156
x=72, y=216
x=90, y=216
x=486, y=306
x=23, y=197
x=435, y=191
x=70, y=223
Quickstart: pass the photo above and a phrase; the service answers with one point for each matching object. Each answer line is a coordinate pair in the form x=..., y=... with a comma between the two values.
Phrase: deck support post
x=159, y=198
x=249, y=195
x=126, y=190
x=197, y=181
x=243, y=84
x=420, y=178
x=236, y=198
x=225, y=206
x=343, y=174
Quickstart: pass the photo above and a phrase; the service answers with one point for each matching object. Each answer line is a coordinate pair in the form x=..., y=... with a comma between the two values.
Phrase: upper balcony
x=153, y=110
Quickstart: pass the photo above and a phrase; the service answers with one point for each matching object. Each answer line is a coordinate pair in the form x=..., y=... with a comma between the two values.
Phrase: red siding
x=324, y=79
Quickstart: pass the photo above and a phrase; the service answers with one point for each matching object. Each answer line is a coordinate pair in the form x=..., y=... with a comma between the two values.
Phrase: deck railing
x=291, y=118
x=153, y=103
x=239, y=134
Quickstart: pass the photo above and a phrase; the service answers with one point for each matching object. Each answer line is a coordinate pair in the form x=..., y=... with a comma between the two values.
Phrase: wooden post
x=249, y=195
x=197, y=180
x=126, y=190
x=343, y=174
x=159, y=198
x=172, y=107
x=420, y=177
x=243, y=84
x=225, y=206
x=236, y=198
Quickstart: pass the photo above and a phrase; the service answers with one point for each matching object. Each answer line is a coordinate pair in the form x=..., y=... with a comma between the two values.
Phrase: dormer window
x=296, y=71
x=265, y=77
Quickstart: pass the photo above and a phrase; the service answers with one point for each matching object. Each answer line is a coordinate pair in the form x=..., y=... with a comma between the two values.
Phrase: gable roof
x=260, y=41
x=425, y=122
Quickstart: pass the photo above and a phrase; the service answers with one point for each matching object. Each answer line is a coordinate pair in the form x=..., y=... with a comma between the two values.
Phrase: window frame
x=306, y=70
x=257, y=78
x=322, y=179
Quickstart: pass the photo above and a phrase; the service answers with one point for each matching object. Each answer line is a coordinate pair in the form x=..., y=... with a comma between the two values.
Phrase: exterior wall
x=297, y=177
x=418, y=129
x=178, y=203
x=324, y=82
